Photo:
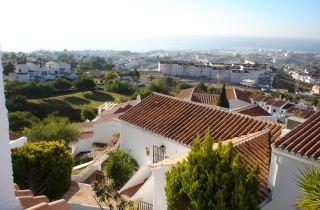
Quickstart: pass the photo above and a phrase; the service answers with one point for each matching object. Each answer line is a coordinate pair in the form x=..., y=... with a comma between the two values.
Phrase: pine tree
x=212, y=179
x=223, y=100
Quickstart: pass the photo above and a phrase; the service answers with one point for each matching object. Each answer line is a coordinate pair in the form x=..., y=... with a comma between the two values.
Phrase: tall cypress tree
x=212, y=179
x=223, y=100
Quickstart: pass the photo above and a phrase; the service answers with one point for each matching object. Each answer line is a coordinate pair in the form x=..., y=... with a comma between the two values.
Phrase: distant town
x=126, y=127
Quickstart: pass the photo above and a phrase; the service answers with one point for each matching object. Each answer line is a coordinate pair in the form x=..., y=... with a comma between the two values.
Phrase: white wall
x=159, y=195
x=145, y=192
x=103, y=131
x=143, y=173
x=18, y=142
x=134, y=140
x=81, y=146
x=282, y=179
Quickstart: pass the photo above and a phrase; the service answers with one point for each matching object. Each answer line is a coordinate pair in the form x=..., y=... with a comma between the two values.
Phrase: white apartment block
x=28, y=71
x=234, y=73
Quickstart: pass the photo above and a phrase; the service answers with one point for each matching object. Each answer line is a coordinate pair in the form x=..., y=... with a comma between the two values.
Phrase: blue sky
x=79, y=24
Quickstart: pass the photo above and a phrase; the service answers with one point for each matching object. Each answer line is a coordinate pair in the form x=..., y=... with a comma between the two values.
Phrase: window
x=158, y=153
x=274, y=110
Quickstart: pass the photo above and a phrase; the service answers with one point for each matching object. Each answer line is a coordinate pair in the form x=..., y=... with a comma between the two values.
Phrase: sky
x=27, y=25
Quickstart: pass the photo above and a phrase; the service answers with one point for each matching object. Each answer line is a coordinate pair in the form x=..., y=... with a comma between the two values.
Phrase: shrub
x=16, y=103
x=53, y=129
x=19, y=120
x=309, y=184
x=118, y=86
x=202, y=86
x=88, y=113
x=61, y=84
x=119, y=166
x=43, y=167
x=212, y=179
x=84, y=83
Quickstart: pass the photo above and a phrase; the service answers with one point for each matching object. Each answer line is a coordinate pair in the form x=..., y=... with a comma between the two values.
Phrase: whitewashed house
x=103, y=127
x=161, y=128
x=296, y=151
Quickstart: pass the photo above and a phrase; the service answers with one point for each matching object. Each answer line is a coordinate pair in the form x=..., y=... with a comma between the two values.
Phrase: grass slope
x=78, y=100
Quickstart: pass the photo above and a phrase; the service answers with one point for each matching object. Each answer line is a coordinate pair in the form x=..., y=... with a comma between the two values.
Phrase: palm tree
x=309, y=184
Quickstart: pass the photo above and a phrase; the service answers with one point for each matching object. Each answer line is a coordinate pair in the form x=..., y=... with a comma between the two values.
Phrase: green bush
x=61, y=84
x=19, y=120
x=43, y=167
x=88, y=113
x=84, y=83
x=309, y=184
x=53, y=129
x=118, y=86
x=119, y=166
x=212, y=179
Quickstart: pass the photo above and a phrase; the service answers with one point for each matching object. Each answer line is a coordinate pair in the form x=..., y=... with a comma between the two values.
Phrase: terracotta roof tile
x=14, y=136
x=205, y=98
x=187, y=93
x=253, y=110
x=304, y=140
x=237, y=94
x=276, y=102
x=256, y=150
x=302, y=113
x=182, y=121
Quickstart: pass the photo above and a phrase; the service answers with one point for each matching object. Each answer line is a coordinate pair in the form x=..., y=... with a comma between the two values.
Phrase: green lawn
x=78, y=100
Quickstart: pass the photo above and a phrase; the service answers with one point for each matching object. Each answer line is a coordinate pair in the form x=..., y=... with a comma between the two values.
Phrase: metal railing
x=144, y=206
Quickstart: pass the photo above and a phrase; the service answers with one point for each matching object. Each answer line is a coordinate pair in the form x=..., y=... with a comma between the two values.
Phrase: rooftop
x=252, y=110
x=181, y=121
x=304, y=140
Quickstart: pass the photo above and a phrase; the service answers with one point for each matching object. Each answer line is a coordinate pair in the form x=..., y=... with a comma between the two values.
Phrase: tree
x=202, y=86
x=309, y=184
x=314, y=102
x=107, y=193
x=135, y=74
x=20, y=120
x=8, y=68
x=183, y=85
x=61, y=84
x=110, y=76
x=16, y=103
x=87, y=113
x=212, y=179
x=43, y=167
x=84, y=83
x=53, y=129
x=223, y=100
x=119, y=166
x=118, y=86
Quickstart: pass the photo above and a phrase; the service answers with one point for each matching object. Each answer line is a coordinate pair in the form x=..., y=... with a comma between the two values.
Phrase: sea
x=214, y=43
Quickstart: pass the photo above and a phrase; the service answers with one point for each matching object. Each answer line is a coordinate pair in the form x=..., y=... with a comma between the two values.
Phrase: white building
x=28, y=71
x=315, y=89
x=162, y=127
x=234, y=73
x=295, y=152
x=304, y=77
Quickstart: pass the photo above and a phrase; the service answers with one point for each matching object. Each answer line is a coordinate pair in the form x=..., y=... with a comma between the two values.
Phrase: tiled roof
x=258, y=97
x=256, y=150
x=252, y=110
x=304, y=140
x=182, y=121
x=237, y=94
x=276, y=102
x=187, y=93
x=205, y=98
x=288, y=105
x=302, y=113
